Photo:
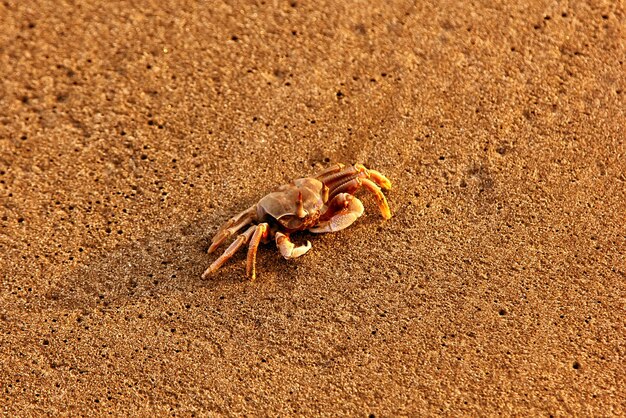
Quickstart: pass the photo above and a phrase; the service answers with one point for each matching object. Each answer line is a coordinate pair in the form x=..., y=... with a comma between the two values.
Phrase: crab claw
x=288, y=248
x=345, y=209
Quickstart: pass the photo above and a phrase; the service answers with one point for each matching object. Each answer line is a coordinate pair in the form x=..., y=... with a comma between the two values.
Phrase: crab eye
x=300, y=207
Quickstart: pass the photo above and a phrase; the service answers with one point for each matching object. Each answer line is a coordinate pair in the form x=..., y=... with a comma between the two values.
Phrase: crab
x=322, y=203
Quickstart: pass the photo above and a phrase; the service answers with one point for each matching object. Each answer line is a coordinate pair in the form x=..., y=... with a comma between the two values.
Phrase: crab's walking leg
x=336, y=178
x=288, y=249
x=329, y=171
x=231, y=227
x=377, y=177
x=354, y=184
x=230, y=251
x=343, y=210
x=259, y=234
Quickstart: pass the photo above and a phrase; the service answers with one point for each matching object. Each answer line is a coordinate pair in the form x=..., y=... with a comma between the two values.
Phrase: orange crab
x=323, y=203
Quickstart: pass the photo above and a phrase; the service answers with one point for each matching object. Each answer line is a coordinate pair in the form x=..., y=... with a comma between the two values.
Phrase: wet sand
x=130, y=132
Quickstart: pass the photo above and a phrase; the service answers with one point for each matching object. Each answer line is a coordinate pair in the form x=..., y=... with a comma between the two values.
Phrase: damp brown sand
x=129, y=131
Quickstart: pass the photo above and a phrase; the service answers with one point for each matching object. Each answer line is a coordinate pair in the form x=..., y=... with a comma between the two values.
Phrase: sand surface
x=129, y=131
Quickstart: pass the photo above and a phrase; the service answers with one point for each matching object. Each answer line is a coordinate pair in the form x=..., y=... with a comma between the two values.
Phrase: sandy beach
x=130, y=131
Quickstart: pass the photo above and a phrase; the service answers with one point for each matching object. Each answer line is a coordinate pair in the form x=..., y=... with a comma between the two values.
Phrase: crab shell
x=296, y=206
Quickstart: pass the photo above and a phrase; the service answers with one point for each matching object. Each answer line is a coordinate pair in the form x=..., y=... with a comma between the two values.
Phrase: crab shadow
x=147, y=267
x=173, y=260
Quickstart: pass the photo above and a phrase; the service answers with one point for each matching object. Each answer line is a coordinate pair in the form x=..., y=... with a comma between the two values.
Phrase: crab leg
x=379, y=179
x=231, y=227
x=330, y=170
x=230, y=251
x=248, y=212
x=288, y=249
x=336, y=179
x=343, y=210
x=259, y=233
x=356, y=183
